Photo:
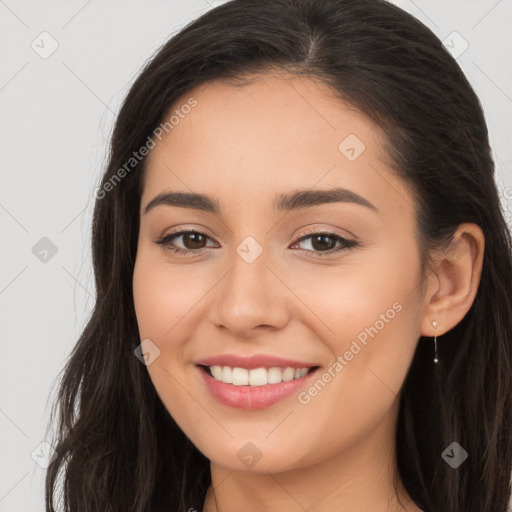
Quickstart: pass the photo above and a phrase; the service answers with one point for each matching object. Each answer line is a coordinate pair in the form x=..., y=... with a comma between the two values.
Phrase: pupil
x=322, y=239
x=195, y=239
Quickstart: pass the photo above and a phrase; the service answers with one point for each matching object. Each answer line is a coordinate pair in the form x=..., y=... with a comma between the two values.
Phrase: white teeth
x=275, y=375
x=240, y=376
x=216, y=372
x=288, y=374
x=256, y=376
x=227, y=374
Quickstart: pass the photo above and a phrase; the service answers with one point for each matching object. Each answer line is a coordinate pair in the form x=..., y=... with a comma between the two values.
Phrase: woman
x=303, y=276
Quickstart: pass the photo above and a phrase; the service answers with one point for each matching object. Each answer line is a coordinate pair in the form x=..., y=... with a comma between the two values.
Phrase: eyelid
x=331, y=230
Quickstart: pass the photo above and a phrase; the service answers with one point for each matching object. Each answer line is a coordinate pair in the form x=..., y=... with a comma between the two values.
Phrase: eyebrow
x=284, y=202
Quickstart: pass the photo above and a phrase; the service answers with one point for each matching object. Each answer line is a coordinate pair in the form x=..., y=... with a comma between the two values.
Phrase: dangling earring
x=434, y=323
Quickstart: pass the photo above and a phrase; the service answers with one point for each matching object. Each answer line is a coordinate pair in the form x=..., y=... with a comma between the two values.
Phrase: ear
x=453, y=282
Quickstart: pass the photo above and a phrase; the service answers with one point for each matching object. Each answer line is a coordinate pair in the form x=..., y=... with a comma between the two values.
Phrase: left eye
x=321, y=242
x=326, y=243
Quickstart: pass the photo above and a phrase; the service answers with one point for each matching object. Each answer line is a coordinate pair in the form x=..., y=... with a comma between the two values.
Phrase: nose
x=251, y=297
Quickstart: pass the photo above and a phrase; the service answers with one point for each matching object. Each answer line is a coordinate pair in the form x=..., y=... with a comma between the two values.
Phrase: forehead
x=272, y=134
x=275, y=113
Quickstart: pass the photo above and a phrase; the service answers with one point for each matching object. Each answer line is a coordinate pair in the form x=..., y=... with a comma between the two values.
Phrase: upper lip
x=254, y=361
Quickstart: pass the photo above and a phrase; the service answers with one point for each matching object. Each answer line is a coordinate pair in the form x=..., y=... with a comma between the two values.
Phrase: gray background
x=57, y=115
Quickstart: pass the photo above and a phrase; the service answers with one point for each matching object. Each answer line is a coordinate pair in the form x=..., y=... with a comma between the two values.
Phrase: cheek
x=369, y=321
x=162, y=299
x=367, y=297
x=167, y=300
x=164, y=295
x=372, y=350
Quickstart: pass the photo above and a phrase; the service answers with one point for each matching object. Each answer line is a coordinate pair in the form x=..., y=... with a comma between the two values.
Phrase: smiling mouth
x=257, y=376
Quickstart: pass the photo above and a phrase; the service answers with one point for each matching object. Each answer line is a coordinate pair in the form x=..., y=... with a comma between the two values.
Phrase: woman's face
x=321, y=280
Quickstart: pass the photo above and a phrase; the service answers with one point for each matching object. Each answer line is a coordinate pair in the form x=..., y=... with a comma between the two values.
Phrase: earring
x=434, y=324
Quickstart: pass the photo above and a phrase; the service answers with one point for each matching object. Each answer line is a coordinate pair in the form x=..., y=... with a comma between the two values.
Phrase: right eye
x=190, y=237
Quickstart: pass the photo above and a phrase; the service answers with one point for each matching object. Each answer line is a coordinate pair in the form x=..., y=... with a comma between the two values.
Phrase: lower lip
x=252, y=397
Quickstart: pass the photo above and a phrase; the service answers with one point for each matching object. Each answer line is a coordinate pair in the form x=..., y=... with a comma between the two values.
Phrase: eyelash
x=347, y=244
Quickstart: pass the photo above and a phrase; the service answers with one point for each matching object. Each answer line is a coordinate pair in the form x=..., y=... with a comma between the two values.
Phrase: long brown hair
x=118, y=447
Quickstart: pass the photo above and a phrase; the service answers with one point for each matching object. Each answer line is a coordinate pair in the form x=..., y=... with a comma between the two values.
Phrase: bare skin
x=244, y=146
